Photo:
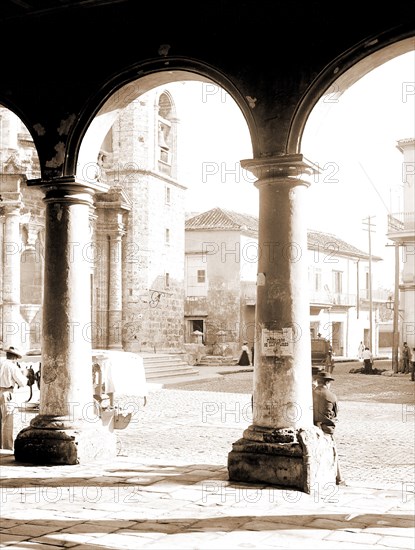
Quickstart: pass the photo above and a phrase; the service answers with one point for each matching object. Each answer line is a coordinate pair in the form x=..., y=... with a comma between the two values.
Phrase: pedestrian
x=406, y=358
x=360, y=351
x=413, y=365
x=10, y=376
x=244, y=357
x=367, y=361
x=325, y=414
x=329, y=359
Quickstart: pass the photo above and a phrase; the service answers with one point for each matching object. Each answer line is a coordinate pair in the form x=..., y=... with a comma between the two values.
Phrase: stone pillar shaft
x=67, y=429
x=282, y=446
x=66, y=330
x=282, y=394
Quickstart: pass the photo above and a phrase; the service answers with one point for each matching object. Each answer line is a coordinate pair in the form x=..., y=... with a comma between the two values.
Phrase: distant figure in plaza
x=406, y=358
x=360, y=351
x=367, y=361
x=244, y=357
x=413, y=365
x=10, y=376
x=325, y=413
x=330, y=360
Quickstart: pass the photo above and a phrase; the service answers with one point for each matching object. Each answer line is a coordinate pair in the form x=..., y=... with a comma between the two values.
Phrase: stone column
x=115, y=291
x=67, y=429
x=282, y=446
x=12, y=246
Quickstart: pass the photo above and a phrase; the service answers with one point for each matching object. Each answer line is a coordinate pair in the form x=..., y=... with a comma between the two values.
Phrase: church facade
x=135, y=250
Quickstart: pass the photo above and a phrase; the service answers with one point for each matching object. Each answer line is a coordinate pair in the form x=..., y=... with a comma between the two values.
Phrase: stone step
x=213, y=360
x=166, y=366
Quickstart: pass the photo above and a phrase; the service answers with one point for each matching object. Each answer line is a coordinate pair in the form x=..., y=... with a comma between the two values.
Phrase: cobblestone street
x=198, y=422
x=169, y=488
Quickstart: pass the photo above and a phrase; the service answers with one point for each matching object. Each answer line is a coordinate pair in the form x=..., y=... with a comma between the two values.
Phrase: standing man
x=325, y=410
x=406, y=358
x=10, y=375
x=367, y=360
x=360, y=351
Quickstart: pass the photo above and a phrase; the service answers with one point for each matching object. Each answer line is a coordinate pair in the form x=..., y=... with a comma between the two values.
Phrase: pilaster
x=10, y=207
x=112, y=208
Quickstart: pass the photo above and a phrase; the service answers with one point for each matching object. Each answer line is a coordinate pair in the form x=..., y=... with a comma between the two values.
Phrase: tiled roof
x=220, y=219
x=328, y=243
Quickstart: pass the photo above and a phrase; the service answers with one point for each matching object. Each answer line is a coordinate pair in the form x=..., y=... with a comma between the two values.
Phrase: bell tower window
x=165, y=134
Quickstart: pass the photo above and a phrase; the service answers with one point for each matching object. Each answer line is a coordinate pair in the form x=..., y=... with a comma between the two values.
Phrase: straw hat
x=14, y=351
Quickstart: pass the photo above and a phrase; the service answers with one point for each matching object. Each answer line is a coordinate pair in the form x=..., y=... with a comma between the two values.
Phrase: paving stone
x=171, y=489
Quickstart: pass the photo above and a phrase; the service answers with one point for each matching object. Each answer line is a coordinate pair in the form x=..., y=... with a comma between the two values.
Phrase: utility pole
x=368, y=221
x=394, y=306
x=395, y=342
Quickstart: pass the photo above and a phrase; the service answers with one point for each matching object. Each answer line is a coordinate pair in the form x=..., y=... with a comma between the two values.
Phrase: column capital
x=69, y=189
x=10, y=207
x=10, y=194
x=294, y=167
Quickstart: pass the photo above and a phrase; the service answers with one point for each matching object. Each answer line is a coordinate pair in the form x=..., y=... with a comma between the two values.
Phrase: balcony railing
x=401, y=221
x=332, y=298
x=378, y=295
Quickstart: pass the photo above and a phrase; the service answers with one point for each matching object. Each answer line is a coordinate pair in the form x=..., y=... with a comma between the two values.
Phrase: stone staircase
x=166, y=365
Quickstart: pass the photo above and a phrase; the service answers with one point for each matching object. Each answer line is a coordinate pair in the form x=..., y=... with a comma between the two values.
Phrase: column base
x=288, y=458
x=65, y=445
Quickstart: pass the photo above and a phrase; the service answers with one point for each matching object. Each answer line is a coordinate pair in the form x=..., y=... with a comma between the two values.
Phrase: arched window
x=165, y=137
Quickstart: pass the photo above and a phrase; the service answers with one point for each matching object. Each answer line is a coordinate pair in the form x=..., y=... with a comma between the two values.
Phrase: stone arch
x=338, y=76
x=101, y=112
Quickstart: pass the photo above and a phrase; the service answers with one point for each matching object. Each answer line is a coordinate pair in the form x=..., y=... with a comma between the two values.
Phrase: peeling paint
x=59, y=212
x=50, y=374
x=58, y=158
x=66, y=125
x=39, y=129
x=251, y=101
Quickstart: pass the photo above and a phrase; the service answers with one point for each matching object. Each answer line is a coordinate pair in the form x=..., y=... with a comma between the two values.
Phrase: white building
x=401, y=230
x=221, y=273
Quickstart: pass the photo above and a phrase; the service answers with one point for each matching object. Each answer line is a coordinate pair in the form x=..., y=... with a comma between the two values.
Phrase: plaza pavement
x=168, y=487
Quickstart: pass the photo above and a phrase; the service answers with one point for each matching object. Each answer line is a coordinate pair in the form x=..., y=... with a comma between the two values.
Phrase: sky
x=352, y=139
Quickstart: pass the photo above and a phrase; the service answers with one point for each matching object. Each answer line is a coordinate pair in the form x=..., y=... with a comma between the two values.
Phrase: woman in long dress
x=244, y=357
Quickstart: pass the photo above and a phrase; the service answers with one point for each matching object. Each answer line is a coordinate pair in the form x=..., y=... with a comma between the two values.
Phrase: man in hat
x=325, y=409
x=10, y=376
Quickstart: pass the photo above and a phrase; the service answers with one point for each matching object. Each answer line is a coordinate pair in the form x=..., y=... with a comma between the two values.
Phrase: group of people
x=407, y=363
